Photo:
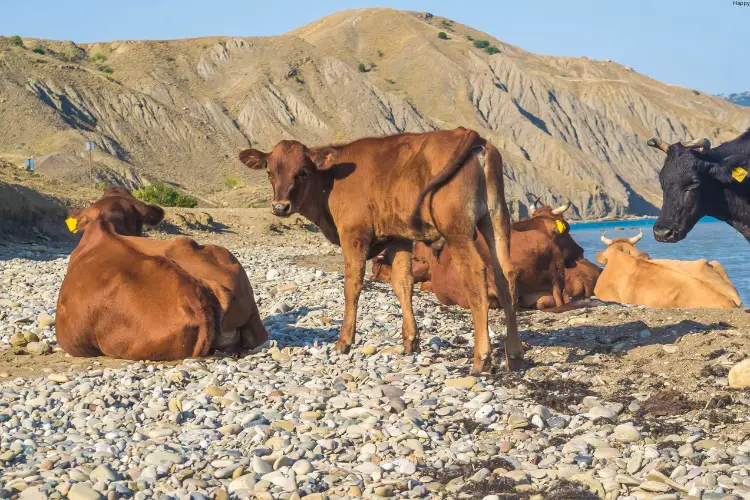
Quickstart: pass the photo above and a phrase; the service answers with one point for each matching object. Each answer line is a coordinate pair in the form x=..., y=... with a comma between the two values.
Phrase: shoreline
x=634, y=218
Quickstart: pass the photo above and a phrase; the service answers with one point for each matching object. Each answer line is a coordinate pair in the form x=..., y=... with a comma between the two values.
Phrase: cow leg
x=355, y=263
x=498, y=240
x=403, y=286
x=253, y=333
x=474, y=279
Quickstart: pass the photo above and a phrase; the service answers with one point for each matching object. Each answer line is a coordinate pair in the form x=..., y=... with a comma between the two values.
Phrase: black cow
x=698, y=181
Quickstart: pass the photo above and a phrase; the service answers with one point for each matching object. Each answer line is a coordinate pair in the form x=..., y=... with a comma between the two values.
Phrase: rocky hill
x=179, y=111
x=742, y=98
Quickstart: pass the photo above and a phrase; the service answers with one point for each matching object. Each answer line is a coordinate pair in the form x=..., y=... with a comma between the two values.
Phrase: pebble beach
x=640, y=411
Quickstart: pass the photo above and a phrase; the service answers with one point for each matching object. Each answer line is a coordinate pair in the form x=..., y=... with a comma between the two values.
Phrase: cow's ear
x=153, y=215
x=253, y=158
x=734, y=169
x=324, y=158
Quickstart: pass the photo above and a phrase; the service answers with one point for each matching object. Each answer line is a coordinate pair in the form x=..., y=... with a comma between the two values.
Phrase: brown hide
x=538, y=249
x=119, y=207
x=631, y=277
x=382, y=263
x=383, y=193
x=133, y=298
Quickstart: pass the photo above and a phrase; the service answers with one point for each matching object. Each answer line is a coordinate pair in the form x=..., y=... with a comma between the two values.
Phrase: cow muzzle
x=281, y=208
x=666, y=235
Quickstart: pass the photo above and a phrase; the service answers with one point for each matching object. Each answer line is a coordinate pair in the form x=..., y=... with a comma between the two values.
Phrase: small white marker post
x=90, y=148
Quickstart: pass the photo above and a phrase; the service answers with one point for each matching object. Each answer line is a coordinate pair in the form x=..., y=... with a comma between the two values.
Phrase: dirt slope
x=180, y=110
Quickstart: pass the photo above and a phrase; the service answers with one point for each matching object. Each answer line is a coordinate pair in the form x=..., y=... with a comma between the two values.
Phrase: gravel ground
x=617, y=403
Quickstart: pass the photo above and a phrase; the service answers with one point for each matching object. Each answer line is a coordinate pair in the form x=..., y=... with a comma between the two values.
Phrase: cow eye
x=302, y=174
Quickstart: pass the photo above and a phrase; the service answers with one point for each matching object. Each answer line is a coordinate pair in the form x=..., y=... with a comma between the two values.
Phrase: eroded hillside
x=179, y=111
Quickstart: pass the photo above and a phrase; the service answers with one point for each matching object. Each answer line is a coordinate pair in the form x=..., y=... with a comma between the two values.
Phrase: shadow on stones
x=557, y=394
x=601, y=339
x=281, y=328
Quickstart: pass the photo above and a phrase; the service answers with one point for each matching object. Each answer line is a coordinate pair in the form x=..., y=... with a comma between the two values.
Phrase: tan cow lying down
x=631, y=277
x=129, y=297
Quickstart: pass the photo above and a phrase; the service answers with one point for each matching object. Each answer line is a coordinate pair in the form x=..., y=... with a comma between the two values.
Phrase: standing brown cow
x=370, y=195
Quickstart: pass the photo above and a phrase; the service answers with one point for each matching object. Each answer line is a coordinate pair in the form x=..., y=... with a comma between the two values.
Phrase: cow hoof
x=342, y=348
x=514, y=365
x=481, y=366
x=411, y=348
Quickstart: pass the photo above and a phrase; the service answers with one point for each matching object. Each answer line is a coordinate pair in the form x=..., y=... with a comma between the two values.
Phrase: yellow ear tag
x=560, y=226
x=739, y=174
x=72, y=225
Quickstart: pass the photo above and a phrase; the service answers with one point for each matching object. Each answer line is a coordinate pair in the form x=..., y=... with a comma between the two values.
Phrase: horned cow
x=632, y=277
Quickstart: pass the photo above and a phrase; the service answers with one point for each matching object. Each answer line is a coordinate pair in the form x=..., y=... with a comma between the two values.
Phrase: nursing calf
x=631, y=277
x=129, y=297
x=550, y=265
x=383, y=193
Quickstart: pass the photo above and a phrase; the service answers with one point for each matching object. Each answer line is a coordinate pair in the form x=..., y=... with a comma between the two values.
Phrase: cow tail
x=454, y=163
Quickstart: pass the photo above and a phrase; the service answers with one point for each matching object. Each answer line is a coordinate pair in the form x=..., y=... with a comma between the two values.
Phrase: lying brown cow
x=631, y=277
x=383, y=193
x=420, y=265
x=549, y=263
x=129, y=297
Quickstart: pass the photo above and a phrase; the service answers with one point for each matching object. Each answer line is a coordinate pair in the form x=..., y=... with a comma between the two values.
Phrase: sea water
x=710, y=239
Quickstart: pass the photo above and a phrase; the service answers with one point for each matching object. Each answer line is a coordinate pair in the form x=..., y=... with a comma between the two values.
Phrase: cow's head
x=691, y=178
x=117, y=206
x=559, y=229
x=294, y=172
x=624, y=245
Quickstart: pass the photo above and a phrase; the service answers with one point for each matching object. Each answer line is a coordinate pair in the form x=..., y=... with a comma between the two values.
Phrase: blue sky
x=702, y=44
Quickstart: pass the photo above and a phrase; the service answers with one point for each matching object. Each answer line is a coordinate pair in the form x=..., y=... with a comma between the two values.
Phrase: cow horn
x=635, y=239
x=534, y=204
x=562, y=208
x=606, y=240
x=702, y=145
x=658, y=144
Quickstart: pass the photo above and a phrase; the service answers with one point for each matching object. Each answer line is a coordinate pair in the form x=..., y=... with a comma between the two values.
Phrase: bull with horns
x=699, y=181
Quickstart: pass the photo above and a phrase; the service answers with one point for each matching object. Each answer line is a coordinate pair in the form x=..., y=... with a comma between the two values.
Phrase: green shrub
x=72, y=54
x=362, y=68
x=105, y=69
x=696, y=92
x=17, y=40
x=98, y=58
x=39, y=50
x=492, y=50
x=232, y=181
x=380, y=53
x=443, y=35
x=390, y=81
x=258, y=204
x=470, y=38
x=165, y=196
x=481, y=44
